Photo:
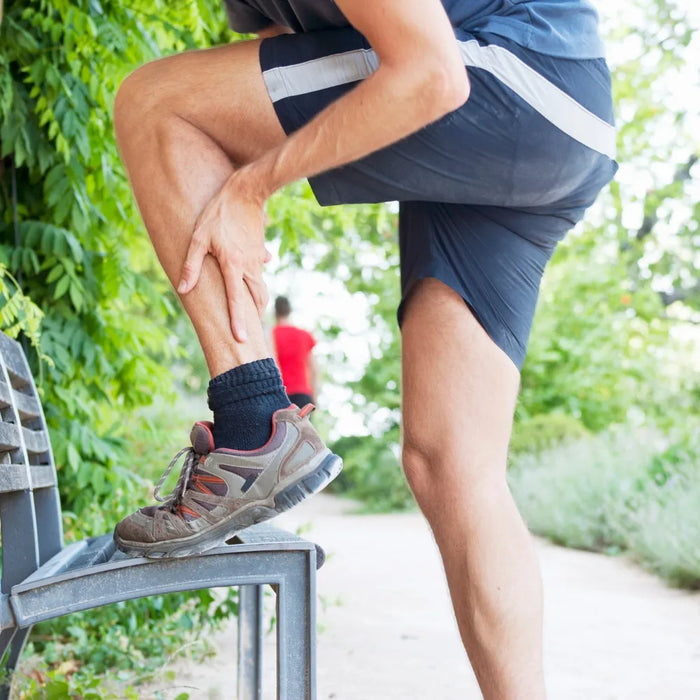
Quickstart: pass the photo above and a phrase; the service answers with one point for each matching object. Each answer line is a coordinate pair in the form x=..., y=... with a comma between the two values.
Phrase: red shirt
x=293, y=347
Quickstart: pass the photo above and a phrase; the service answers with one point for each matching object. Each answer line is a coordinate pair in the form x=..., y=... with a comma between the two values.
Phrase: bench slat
x=14, y=361
x=43, y=476
x=5, y=395
x=9, y=437
x=36, y=441
x=79, y=555
x=265, y=534
x=27, y=406
x=13, y=477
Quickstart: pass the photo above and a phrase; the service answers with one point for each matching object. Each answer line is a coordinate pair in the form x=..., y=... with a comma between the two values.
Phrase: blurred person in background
x=293, y=348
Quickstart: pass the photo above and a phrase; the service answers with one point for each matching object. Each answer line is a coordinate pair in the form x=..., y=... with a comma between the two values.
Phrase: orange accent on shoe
x=184, y=509
x=306, y=410
x=209, y=479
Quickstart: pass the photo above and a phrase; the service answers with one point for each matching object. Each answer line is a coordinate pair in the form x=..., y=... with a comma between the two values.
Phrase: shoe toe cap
x=138, y=527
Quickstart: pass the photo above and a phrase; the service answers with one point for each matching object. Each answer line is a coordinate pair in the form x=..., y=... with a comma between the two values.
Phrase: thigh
x=459, y=389
x=220, y=91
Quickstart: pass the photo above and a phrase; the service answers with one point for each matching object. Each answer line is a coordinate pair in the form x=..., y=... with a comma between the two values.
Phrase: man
x=294, y=352
x=490, y=121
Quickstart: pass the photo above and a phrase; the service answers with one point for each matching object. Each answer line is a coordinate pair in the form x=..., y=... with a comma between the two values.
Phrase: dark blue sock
x=243, y=401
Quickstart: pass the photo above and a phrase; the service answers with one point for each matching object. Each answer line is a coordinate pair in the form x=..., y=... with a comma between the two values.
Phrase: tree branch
x=679, y=294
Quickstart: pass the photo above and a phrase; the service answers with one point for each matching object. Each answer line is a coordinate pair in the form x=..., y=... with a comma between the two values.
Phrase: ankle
x=243, y=401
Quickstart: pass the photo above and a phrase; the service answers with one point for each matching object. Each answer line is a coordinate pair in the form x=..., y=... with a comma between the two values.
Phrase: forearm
x=389, y=105
x=420, y=78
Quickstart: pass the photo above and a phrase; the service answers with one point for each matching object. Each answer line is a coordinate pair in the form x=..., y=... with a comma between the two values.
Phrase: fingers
x=240, y=255
x=235, y=291
x=192, y=268
x=258, y=291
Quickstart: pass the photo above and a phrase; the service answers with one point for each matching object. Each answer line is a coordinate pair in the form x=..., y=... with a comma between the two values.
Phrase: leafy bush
x=664, y=532
x=372, y=473
x=70, y=233
x=544, y=431
x=631, y=489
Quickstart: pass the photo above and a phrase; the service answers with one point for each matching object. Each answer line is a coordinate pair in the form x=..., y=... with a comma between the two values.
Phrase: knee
x=140, y=101
x=423, y=466
x=442, y=474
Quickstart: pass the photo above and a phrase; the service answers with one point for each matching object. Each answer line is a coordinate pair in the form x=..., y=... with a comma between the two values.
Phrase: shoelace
x=173, y=498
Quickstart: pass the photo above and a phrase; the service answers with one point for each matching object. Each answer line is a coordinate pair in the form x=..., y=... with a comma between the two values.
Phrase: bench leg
x=296, y=633
x=250, y=621
x=19, y=639
x=6, y=637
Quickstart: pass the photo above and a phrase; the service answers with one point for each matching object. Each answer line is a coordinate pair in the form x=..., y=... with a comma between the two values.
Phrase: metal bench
x=43, y=579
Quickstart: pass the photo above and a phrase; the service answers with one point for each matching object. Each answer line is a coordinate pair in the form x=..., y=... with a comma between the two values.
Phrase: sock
x=243, y=401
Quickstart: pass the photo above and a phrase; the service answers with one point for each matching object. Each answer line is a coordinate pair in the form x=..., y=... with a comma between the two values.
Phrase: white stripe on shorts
x=551, y=102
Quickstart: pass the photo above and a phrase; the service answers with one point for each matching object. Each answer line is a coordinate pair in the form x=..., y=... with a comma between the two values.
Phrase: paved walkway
x=386, y=632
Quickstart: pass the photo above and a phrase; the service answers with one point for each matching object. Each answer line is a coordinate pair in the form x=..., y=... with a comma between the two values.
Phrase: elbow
x=452, y=86
x=446, y=88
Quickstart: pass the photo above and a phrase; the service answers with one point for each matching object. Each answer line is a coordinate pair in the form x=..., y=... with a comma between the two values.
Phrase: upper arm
x=414, y=39
x=404, y=30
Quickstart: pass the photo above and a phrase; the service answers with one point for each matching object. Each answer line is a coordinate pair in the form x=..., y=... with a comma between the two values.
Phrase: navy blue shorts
x=485, y=192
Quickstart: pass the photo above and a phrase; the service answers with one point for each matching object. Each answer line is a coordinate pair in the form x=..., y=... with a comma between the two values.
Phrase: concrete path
x=386, y=632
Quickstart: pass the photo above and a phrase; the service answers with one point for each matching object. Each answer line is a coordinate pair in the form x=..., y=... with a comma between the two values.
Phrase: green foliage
x=595, y=344
x=664, y=528
x=372, y=473
x=59, y=685
x=619, y=290
x=136, y=635
x=105, y=308
x=79, y=249
x=18, y=314
x=576, y=494
x=20, y=317
x=543, y=431
x=629, y=490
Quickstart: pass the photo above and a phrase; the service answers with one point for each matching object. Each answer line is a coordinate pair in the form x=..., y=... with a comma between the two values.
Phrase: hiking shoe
x=222, y=491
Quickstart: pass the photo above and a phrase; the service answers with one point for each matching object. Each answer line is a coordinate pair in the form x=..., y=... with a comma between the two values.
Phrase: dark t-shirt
x=564, y=28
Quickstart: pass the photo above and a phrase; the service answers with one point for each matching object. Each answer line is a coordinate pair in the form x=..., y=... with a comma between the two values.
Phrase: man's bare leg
x=459, y=392
x=183, y=123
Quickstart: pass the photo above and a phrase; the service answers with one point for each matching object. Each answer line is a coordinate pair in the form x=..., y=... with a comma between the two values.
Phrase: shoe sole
x=256, y=512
